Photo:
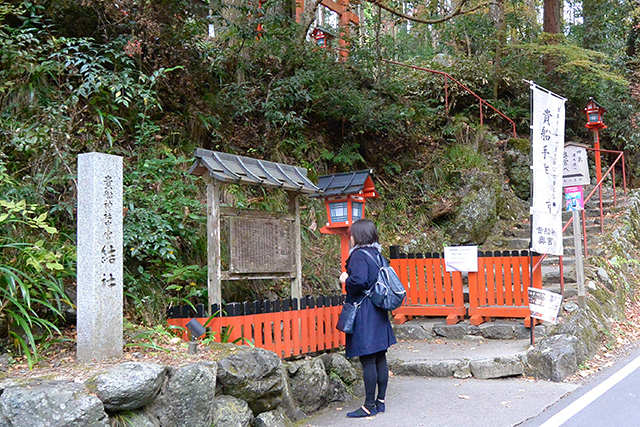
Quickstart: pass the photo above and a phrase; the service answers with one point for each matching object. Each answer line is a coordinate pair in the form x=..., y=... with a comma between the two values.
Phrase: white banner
x=547, y=145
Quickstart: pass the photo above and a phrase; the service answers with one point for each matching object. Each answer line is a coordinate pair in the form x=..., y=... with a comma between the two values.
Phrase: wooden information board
x=260, y=245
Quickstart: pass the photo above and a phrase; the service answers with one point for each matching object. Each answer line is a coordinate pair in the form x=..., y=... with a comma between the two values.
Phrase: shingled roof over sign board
x=346, y=183
x=232, y=169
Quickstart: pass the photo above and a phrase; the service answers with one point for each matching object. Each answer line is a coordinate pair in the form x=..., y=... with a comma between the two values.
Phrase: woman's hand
x=343, y=277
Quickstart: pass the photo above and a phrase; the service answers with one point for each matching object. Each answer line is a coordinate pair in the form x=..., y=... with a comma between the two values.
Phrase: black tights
x=375, y=372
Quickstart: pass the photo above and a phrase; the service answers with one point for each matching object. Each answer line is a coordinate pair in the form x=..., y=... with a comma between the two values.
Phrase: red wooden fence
x=287, y=333
x=499, y=288
x=431, y=291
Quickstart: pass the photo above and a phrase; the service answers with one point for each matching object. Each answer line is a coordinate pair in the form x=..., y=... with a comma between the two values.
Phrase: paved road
x=446, y=402
x=611, y=399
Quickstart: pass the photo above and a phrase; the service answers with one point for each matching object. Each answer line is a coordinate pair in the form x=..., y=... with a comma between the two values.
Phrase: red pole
x=596, y=145
x=561, y=276
x=624, y=177
x=613, y=180
x=446, y=94
x=344, y=250
x=584, y=232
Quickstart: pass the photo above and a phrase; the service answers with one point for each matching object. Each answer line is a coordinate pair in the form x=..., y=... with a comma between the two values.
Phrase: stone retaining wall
x=243, y=387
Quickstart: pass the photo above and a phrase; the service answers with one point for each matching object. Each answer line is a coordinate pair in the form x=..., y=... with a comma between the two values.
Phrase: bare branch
x=456, y=12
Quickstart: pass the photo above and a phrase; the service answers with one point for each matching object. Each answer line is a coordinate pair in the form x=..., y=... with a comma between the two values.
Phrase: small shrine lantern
x=345, y=196
x=594, y=112
x=322, y=37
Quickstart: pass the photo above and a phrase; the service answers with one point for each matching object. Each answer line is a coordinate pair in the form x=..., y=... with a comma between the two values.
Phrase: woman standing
x=372, y=334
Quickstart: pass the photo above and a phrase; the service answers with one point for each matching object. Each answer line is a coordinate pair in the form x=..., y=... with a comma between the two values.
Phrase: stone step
x=570, y=289
x=431, y=348
x=589, y=213
x=551, y=273
x=553, y=260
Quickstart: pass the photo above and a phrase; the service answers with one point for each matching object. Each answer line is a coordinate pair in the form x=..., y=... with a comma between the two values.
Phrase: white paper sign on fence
x=461, y=258
x=547, y=144
x=544, y=305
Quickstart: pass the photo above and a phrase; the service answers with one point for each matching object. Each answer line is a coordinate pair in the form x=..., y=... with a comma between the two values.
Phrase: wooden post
x=577, y=242
x=294, y=209
x=214, y=270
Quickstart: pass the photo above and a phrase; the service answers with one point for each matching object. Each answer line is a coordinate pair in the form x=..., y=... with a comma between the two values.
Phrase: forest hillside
x=152, y=80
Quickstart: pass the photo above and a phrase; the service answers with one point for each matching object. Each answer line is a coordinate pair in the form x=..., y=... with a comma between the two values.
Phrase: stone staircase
x=517, y=238
x=428, y=347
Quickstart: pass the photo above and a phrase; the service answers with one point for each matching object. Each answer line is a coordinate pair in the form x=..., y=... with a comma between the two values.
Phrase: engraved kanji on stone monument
x=100, y=250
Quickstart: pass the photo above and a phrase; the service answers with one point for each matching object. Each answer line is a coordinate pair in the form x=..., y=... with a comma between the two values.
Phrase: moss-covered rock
x=477, y=211
x=516, y=164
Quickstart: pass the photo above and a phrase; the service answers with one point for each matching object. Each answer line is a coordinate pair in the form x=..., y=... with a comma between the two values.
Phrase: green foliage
x=123, y=419
x=152, y=338
x=164, y=233
x=32, y=293
x=465, y=157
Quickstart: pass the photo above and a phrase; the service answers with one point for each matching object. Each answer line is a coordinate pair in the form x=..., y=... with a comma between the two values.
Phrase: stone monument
x=100, y=250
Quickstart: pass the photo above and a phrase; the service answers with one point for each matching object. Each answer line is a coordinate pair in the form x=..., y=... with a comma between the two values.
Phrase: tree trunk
x=552, y=19
x=498, y=19
x=552, y=24
x=307, y=16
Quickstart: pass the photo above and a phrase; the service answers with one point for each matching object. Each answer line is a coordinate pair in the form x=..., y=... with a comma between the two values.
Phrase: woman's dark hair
x=364, y=232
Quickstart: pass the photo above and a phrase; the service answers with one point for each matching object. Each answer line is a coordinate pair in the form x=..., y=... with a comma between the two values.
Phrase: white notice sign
x=461, y=258
x=544, y=305
x=575, y=167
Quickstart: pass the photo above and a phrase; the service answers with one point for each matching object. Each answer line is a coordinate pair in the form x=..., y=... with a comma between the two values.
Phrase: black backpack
x=388, y=293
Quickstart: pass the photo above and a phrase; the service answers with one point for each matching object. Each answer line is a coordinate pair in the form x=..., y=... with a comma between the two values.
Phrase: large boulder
x=289, y=405
x=186, y=397
x=344, y=380
x=554, y=358
x=476, y=213
x=253, y=375
x=338, y=365
x=51, y=403
x=309, y=384
x=231, y=411
x=129, y=386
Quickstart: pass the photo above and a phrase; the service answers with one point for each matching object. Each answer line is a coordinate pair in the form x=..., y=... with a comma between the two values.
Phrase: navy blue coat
x=372, y=330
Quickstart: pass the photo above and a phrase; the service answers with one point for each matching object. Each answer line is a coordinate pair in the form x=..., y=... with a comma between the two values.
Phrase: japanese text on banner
x=548, y=118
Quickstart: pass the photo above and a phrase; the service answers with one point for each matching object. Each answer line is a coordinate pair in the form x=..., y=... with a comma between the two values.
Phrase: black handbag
x=347, y=318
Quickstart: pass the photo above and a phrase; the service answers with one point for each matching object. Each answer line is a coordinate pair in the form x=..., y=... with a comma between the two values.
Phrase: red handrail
x=598, y=186
x=446, y=93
